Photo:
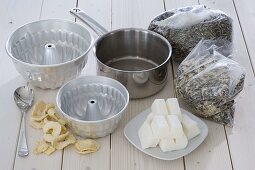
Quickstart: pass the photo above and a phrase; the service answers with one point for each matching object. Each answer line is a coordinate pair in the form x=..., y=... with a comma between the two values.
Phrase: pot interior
x=132, y=50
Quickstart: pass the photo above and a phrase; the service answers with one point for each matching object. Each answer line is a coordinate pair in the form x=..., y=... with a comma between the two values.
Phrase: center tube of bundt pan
x=50, y=54
x=92, y=111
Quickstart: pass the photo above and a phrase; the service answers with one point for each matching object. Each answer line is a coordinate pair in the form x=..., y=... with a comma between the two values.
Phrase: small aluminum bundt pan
x=92, y=106
x=49, y=53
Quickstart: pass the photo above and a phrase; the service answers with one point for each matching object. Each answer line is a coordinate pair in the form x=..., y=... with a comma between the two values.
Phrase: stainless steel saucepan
x=137, y=58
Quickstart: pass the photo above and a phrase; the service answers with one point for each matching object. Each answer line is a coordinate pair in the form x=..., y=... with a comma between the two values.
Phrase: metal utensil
x=23, y=97
x=138, y=58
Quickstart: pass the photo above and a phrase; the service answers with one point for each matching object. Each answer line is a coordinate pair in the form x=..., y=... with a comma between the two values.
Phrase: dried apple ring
x=51, y=130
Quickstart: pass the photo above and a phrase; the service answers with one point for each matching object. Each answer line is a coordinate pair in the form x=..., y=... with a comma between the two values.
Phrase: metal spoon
x=23, y=96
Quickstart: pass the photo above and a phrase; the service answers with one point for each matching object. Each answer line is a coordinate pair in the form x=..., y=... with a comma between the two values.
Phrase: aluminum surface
x=137, y=58
x=92, y=105
x=49, y=53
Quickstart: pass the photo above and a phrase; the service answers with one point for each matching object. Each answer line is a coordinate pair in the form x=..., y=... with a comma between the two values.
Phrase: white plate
x=131, y=133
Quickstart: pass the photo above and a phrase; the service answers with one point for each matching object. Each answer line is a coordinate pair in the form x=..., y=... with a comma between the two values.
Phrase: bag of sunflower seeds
x=209, y=82
x=185, y=27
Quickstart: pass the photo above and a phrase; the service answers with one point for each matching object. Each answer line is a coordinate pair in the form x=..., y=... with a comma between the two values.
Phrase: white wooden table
x=224, y=148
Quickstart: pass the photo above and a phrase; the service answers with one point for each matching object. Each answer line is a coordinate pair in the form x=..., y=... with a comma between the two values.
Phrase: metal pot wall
x=137, y=58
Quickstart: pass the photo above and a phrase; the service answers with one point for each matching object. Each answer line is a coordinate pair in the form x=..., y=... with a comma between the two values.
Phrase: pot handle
x=85, y=18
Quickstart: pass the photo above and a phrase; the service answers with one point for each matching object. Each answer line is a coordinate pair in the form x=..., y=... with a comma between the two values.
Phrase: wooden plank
x=213, y=152
x=57, y=9
x=125, y=156
x=13, y=14
x=171, y=4
x=49, y=9
x=245, y=11
x=100, y=11
x=134, y=14
x=241, y=137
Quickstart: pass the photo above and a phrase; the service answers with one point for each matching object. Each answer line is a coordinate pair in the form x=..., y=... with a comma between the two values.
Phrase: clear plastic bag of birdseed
x=209, y=82
x=185, y=27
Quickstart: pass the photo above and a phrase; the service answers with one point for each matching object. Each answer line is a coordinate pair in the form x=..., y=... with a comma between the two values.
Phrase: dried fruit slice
x=86, y=146
x=36, y=125
x=50, y=150
x=41, y=147
x=70, y=139
x=38, y=108
x=38, y=113
x=62, y=122
x=61, y=137
x=48, y=107
x=45, y=120
x=52, y=113
x=38, y=118
x=51, y=130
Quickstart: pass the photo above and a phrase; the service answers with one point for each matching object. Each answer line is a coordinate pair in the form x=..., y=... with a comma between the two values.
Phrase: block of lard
x=177, y=139
x=159, y=107
x=175, y=126
x=147, y=137
x=160, y=126
x=171, y=144
x=190, y=127
x=150, y=117
x=173, y=107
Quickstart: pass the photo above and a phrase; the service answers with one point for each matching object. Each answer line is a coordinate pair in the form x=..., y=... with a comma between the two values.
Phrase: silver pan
x=138, y=58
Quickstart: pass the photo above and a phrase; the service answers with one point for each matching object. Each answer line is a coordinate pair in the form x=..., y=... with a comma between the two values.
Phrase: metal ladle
x=23, y=97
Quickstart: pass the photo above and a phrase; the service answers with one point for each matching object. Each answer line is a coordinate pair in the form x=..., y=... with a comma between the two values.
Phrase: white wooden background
x=224, y=148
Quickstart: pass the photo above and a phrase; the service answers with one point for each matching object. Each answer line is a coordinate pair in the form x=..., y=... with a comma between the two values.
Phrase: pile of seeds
x=184, y=38
x=209, y=83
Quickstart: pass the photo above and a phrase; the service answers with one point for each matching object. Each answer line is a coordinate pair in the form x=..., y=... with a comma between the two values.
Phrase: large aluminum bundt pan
x=49, y=53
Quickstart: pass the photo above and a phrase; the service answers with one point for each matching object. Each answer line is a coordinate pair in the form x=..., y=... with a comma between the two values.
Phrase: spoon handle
x=22, y=147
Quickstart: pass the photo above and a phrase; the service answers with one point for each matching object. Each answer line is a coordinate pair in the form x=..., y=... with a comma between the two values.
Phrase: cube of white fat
x=173, y=107
x=146, y=136
x=150, y=117
x=171, y=144
x=175, y=126
x=190, y=127
x=159, y=107
x=160, y=126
